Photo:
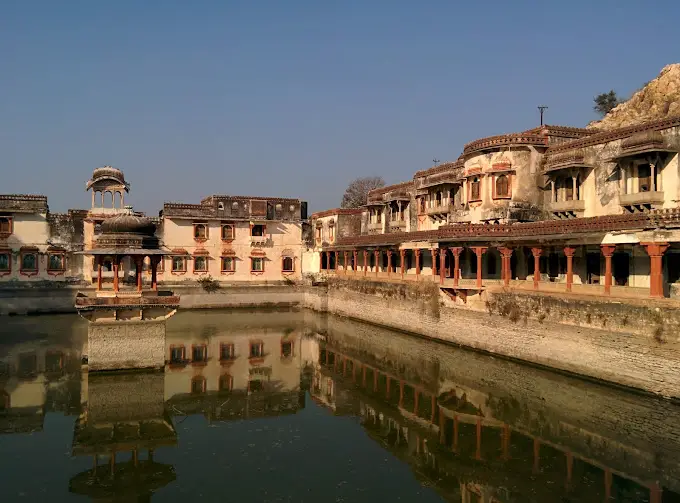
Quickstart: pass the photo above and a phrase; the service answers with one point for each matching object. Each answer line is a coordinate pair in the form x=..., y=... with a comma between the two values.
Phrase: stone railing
x=134, y=301
x=505, y=140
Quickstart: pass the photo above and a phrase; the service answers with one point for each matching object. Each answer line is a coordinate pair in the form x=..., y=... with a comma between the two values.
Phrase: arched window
x=29, y=262
x=220, y=205
x=200, y=264
x=179, y=264
x=288, y=264
x=5, y=226
x=502, y=186
x=56, y=262
x=227, y=232
x=200, y=231
x=475, y=192
x=198, y=384
x=226, y=382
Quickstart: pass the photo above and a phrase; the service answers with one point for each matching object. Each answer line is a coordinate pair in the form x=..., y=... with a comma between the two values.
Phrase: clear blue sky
x=296, y=97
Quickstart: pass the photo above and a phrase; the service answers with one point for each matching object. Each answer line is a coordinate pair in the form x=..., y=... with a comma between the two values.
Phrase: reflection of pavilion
x=453, y=442
x=123, y=420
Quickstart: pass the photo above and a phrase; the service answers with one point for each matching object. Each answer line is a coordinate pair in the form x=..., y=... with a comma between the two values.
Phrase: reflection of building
x=259, y=367
x=122, y=421
x=473, y=445
x=36, y=377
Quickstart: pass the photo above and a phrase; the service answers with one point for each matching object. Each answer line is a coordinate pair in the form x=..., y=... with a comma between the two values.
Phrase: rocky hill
x=658, y=99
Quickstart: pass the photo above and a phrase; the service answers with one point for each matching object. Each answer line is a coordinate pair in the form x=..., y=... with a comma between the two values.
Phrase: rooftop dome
x=108, y=173
x=128, y=223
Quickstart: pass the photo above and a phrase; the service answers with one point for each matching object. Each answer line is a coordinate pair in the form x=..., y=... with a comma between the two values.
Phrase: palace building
x=552, y=208
x=230, y=238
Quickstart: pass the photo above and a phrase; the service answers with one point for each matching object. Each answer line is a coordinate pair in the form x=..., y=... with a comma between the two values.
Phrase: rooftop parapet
x=23, y=203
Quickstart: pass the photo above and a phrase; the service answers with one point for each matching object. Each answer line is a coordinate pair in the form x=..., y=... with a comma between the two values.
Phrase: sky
x=295, y=98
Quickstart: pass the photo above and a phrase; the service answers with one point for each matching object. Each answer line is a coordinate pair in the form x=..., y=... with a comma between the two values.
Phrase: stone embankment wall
x=634, y=360
x=109, y=345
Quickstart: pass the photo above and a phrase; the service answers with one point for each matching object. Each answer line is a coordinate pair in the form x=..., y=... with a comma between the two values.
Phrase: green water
x=290, y=406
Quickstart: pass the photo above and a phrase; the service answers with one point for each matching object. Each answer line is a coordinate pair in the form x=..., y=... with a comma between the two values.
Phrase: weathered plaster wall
x=280, y=237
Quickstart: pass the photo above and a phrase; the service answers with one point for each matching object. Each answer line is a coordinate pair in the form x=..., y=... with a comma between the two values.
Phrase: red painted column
x=536, y=252
x=607, y=251
x=402, y=254
x=417, y=253
x=115, y=273
x=478, y=437
x=401, y=393
x=434, y=252
x=389, y=262
x=506, y=270
x=355, y=265
x=154, y=273
x=344, y=254
x=456, y=263
x=99, y=272
x=337, y=261
x=376, y=254
x=442, y=265
x=479, y=251
x=569, y=253
x=655, y=252
x=365, y=262
x=655, y=493
x=138, y=271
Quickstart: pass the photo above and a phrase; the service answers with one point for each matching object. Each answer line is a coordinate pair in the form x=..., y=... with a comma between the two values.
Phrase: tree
x=605, y=102
x=357, y=191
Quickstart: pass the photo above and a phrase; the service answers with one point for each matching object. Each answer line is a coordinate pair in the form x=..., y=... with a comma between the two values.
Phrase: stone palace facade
x=228, y=238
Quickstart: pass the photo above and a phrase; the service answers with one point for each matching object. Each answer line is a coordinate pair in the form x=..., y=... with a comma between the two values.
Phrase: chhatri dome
x=128, y=223
x=107, y=175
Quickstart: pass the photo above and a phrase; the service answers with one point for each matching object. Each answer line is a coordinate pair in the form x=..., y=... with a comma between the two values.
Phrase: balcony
x=397, y=226
x=374, y=227
x=567, y=209
x=439, y=212
x=259, y=240
x=641, y=201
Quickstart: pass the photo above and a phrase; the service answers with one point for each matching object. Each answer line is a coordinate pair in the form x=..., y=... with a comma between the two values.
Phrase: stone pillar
x=569, y=252
x=434, y=253
x=536, y=252
x=138, y=272
x=355, y=265
x=655, y=252
x=365, y=252
x=608, y=251
x=115, y=273
x=337, y=261
x=389, y=262
x=506, y=269
x=479, y=251
x=456, y=263
x=417, y=254
x=402, y=254
x=376, y=254
x=442, y=265
x=99, y=272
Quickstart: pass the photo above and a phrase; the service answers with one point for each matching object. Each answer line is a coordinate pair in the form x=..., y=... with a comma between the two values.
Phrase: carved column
x=115, y=273
x=434, y=253
x=456, y=263
x=655, y=252
x=365, y=252
x=99, y=272
x=479, y=251
x=607, y=251
x=536, y=252
x=376, y=254
x=389, y=262
x=506, y=270
x=569, y=253
x=417, y=254
x=442, y=265
x=402, y=253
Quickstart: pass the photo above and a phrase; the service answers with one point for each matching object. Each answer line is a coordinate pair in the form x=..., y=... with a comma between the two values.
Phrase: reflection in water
x=469, y=427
